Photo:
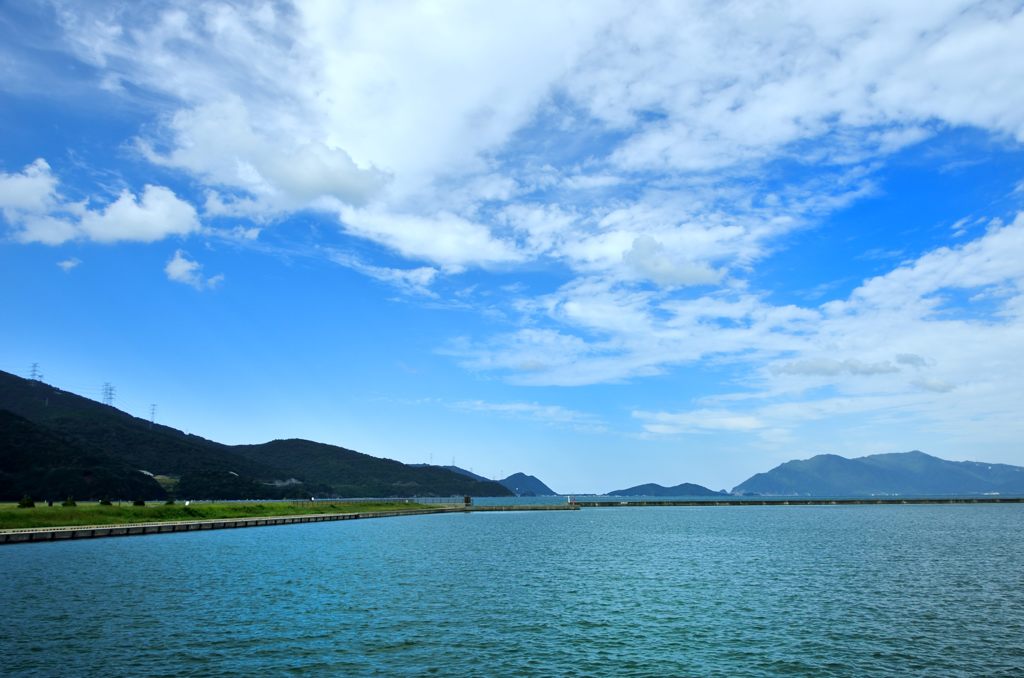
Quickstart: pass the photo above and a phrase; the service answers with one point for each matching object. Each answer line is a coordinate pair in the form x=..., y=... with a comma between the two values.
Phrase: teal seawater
x=731, y=591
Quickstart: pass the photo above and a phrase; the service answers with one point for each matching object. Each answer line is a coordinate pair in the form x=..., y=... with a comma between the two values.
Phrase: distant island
x=55, y=444
x=655, y=490
x=902, y=474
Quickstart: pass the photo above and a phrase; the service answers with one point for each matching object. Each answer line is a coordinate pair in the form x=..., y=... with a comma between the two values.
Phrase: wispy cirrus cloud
x=555, y=415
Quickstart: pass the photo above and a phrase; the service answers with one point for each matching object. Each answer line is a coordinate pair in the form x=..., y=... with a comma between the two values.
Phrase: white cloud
x=188, y=272
x=647, y=128
x=282, y=171
x=444, y=239
x=68, y=264
x=43, y=228
x=962, y=360
x=734, y=83
x=154, y=215
x=33, y=190
x=31, y=203
x=648, y=257
x=905, y=351
x=639, y=154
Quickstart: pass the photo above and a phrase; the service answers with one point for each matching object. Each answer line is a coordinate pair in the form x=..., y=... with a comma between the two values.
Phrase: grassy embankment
x=12, y=517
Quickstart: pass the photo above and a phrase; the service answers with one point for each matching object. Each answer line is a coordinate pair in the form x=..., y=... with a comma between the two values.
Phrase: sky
x=605, y=243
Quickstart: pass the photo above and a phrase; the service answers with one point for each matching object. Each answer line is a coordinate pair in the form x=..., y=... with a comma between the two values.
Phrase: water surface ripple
x=732, y=591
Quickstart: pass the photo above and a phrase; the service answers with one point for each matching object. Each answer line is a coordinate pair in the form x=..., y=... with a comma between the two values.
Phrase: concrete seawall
x=44, y=534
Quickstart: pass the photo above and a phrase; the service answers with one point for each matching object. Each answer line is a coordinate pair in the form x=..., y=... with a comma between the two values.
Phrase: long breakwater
x=49, y=534
x=799, y=502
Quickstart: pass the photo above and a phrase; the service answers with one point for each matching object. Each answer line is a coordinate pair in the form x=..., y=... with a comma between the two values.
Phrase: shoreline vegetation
x=94, y=514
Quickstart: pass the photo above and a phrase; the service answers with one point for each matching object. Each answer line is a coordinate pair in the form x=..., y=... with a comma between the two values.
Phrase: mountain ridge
x=656, y=490
x=524, y=485
x=913, y=473
x=520, y=484
x=192, y=466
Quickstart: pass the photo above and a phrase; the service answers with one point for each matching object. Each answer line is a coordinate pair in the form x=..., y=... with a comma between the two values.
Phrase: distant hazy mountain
x=906, y=473
x=99, y=445
x=655, y=490
x=527, y=486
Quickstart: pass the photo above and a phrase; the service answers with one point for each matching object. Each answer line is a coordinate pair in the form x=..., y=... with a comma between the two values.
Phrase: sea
x=915, y=590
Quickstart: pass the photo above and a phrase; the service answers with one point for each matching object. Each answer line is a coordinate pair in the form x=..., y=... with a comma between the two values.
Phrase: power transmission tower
x=35, y=374
x=152, y=415
x=108, y=393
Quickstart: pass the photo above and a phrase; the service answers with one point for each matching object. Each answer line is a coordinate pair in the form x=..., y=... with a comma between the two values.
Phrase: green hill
x=191, y=466
x=527, y=486
x=40, y=463
x=349, y=473
x=655, y=490
x=906, y=473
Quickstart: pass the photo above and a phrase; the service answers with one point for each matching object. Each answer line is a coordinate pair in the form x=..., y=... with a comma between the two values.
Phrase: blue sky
x=600, y=243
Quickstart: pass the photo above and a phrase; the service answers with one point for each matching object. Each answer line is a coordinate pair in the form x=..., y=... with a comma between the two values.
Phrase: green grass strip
x=12, y=517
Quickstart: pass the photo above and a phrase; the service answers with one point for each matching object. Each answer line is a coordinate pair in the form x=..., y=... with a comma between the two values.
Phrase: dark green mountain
x=199, y=468
x=37, y=462
x=527, y=486
x=655, y=490
x=456, y=469
x=907, y=473
x=350, y=473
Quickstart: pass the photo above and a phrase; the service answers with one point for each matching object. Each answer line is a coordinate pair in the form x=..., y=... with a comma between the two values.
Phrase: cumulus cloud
x=154, y=215
x=68, y=264
x=32, y=205
x=276, y=171
x=188, y=272
x=33, y=190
